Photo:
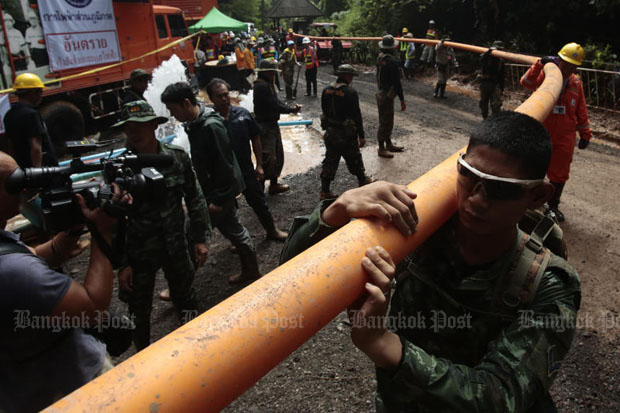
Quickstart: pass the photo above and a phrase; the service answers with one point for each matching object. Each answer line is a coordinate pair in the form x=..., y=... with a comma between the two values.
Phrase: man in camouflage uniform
x=267, y=109
x=388, y=82
x=342, y=121
x=155, y=229
x=465, y=333
x=492, y=85
x=288, y=63
x=444, y=58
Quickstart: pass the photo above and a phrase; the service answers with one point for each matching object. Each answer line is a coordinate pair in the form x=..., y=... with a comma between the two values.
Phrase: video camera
x=134, y=173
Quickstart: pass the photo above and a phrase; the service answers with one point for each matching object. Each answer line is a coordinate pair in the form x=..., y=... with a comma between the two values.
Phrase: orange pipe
x=207, y=363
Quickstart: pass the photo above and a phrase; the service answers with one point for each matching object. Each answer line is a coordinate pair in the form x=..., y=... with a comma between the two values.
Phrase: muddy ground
x=328, y=373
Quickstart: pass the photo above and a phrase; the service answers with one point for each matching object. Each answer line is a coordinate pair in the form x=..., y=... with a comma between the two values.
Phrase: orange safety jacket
x=310, y=58
x=250, y=63
x=431, y=34
x=569, y=116
x=240, y=55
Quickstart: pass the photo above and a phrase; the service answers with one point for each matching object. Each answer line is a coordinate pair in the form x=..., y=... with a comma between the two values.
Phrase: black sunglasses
x=496, y=188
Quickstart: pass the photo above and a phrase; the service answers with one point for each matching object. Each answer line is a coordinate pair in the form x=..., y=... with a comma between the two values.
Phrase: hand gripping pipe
x=207, y=363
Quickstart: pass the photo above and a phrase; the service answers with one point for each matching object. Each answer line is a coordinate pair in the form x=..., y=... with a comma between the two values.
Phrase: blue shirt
x=38, y=364
x=242, y=128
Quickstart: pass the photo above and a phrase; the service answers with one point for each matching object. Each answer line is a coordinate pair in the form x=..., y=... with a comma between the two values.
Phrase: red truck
x=194, y=10
x=85, y=105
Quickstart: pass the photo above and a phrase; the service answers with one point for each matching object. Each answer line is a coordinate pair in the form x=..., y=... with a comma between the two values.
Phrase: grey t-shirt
x=38, y=365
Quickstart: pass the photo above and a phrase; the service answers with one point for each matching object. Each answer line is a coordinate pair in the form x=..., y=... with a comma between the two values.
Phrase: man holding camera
x=155, y=229
x=40, y=364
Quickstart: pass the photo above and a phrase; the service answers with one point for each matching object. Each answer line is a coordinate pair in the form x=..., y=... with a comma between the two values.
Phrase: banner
x=79, y=32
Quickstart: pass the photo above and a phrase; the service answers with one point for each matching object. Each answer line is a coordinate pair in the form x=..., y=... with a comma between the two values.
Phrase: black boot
x=554, y=202
x=249, y=268
x=436, y=95
x=273, y=232
x=364, y=180
x=442, y=91
x=326, y=193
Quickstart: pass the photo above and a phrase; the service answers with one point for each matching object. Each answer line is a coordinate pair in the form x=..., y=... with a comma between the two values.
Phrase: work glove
x=583, y=143
x=549, y=59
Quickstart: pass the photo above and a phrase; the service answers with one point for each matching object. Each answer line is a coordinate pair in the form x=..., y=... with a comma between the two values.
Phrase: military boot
x=249, y=269
x=326, y=193
x=554, y=202
x=364, y=180
x=436, y=95
x=442, y=91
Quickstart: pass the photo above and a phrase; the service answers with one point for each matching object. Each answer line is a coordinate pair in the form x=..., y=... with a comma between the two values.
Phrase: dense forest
x=531, y=26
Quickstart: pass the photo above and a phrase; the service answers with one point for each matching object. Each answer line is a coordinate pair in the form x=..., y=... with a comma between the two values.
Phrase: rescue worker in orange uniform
x=569, y=116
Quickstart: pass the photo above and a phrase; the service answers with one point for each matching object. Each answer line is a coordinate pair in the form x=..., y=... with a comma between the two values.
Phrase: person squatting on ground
x=444, y=58
x=343, y=125
x=428, y=52
x=217, y=171
x=491, y=358
x=243, y=129
x=492, y=84
x=388, y=83
x=41, y=365
x=155, y=235
x=267, y=110
x=311, y=61
x=569, y=115
x=288, y=64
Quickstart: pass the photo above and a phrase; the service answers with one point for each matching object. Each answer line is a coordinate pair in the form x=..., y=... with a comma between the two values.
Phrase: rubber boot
x=141, y=335
x=436, y=95
x=554, y=202
x=393, y=148
x=442, y=91
x=326, y=193
x=273, y=232
x=249, y=269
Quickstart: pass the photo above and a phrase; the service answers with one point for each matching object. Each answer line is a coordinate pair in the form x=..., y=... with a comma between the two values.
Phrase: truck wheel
x=64, y=122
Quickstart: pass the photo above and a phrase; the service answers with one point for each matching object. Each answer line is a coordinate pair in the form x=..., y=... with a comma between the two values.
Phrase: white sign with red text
x=79, y=32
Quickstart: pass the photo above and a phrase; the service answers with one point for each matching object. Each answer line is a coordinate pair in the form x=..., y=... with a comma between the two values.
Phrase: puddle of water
x=303, y=146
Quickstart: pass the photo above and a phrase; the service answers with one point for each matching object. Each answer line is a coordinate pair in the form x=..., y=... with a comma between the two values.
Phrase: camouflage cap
x=138, y=73
x=138, y=111
x=267, y=65
x=388, y=42
x=346, y=69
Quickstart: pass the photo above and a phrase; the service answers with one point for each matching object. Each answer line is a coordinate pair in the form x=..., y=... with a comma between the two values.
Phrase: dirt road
x=328, y=373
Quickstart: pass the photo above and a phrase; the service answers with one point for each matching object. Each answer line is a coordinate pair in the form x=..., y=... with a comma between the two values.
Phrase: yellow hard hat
x=572, y=53
x=220, y=57
x=253, y=38
x=290, y=30
x=405, y=30
x=28, y=81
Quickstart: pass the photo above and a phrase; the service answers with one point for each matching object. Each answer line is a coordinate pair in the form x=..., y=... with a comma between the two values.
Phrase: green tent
x=216, y=22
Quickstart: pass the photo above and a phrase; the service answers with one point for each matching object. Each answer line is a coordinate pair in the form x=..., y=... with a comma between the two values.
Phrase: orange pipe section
x=207, y=363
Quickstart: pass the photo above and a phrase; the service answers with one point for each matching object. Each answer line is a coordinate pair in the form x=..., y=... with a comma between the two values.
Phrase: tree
x=243, y=10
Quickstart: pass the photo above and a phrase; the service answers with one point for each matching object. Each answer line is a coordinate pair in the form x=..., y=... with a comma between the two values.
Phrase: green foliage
x=243, y=10
x=601, y=56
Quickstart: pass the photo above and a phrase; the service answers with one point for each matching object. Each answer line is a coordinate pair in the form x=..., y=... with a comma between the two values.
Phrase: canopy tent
x=293, y=8
x=216, y=22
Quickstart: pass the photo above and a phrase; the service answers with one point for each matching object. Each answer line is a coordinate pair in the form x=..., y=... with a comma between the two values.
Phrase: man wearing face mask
x=570, y=115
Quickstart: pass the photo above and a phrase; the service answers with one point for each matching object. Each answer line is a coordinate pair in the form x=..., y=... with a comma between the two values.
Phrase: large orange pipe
x=207, y=363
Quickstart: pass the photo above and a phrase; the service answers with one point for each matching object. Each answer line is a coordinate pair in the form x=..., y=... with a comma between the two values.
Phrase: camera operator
x=155, y=228
x=38, y=363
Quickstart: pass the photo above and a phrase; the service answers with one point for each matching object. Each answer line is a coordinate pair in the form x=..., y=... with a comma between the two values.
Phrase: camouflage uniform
x=156, y=239
x=492, y=84
x=288, y=63
x=388, y=82
x=343, y=118
x=495, y=357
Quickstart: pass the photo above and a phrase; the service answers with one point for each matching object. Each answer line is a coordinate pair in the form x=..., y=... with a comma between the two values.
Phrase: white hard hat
x=230, y=33
x=306, y=40
x=431, y=22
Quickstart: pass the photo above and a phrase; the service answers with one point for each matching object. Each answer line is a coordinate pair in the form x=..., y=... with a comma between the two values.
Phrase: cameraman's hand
x=200, y=253
x=125, y=279
x=104, y=222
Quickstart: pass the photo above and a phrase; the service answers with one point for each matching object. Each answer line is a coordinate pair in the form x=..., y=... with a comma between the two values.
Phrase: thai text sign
x=79, y=32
